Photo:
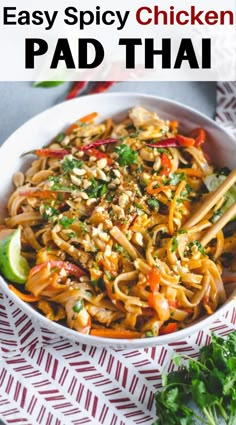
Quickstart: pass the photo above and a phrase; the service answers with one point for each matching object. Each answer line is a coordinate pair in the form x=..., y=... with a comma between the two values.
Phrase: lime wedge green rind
x=13, y=266
x=212, y=182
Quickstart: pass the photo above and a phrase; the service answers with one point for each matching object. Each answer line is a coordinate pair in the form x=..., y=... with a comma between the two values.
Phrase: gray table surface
x=19, y=101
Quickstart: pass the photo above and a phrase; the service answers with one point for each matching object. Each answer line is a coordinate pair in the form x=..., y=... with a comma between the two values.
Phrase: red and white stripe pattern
x=49, y=380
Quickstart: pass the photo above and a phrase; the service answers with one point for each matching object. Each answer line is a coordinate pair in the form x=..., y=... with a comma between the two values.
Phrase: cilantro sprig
x=127, y=156
x=69, y=164
x=202, y=389
x=97, y=188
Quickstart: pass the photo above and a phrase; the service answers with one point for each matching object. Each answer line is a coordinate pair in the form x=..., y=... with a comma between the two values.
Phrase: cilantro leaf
x=97, y=188
x=49, y=212
x=60, y=137
x=175, y=179
x=198, y=245
x=174, y=244
x=69, y=164
x=66, y=221
x=127, y=156
x=208, y=383
x=153, y=203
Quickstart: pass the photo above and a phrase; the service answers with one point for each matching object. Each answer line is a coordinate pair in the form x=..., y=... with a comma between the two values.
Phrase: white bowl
x=42, y=128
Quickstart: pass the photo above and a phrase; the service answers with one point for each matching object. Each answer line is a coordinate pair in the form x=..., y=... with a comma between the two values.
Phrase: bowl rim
x=67, y=332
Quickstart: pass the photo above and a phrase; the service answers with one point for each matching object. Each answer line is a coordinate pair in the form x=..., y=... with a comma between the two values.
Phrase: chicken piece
x=77, y=316
x=103, y=315
x=89, y=131
x=149, y=122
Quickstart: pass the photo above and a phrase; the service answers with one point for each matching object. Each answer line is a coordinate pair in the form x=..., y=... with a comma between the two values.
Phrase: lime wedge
x=12, y=265
x=212, y=182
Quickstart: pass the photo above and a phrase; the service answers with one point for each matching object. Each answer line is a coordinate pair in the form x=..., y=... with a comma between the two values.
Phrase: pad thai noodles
x=105, y=217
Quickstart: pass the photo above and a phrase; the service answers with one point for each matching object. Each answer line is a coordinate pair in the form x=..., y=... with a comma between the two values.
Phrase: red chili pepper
x=99, y=155
x=168, y=329
x=70, y=268
x=51, y=153
x=76, y=89
x=199, y=135
x=101, y=87
x=165, y=165
x=166, y=143
x=98, y=143
x=178, y=141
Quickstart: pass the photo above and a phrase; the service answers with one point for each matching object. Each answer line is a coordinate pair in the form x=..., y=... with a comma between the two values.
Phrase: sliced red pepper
x=98, y=143
x=101, y=87
x=199, y=135
x=70, y=268
x=165, y=165
x=99, y=155
x=76, y=89
x=168, y=329
x=153, y=278
x=185, y=141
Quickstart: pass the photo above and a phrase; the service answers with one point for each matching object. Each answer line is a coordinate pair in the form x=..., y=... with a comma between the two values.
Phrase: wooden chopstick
x=211, y=201
x=224, y=219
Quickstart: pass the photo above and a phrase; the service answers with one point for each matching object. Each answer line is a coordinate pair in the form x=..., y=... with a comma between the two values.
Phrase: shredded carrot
x=208, y=309
x=72, y=128
x=24, y=297
x=108, y=128
x=89, y=117
x=154, y=191
x=191, y=172
x=115, y=333
x=49, y=194
x=173, y=205
x=165, y=165
x=168, y=329
x=173, y=303
x=85, y=119
x=153, y=278
x=174, y=125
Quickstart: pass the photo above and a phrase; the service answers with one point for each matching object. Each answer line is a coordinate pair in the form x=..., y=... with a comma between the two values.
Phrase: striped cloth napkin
x=49, y=380
x=226, y=105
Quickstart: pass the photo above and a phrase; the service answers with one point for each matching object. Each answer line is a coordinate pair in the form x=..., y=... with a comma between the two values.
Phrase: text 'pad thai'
x=102, y=212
